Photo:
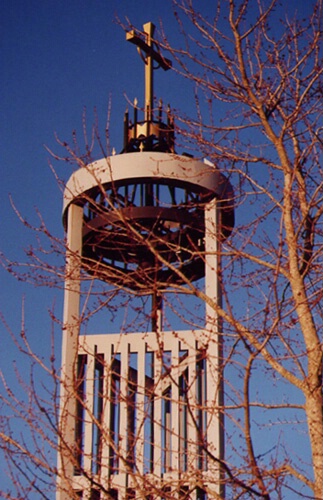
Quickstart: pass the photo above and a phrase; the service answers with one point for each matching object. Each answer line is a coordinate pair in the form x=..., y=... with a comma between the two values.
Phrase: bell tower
x=140, y=413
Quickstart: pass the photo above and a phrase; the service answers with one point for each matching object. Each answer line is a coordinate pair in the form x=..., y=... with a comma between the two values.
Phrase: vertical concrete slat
x=123, y=424
x=158, y=410
x=89, y=422
x=175, y=370
x=191, y=401
x=139, y=347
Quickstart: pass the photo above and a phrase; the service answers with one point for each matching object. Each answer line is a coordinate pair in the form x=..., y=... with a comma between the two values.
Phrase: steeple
x=150, y=134
x=137, y=409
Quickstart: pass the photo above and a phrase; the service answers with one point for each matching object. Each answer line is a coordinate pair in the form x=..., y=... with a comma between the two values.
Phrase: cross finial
x=145, y=45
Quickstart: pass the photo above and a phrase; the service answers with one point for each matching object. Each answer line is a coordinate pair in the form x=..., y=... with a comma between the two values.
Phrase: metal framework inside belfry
x=140, y=413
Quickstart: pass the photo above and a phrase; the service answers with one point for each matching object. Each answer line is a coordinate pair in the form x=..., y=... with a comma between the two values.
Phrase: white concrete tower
x=140, y=412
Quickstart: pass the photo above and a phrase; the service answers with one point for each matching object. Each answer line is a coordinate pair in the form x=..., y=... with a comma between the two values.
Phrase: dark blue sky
x=58, y=57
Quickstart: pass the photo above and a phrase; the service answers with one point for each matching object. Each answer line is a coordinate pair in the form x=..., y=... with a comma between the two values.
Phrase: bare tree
x=263, y=76
x=258, y=90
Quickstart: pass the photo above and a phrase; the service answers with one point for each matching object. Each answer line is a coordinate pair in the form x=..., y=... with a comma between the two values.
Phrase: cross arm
x=164, y=63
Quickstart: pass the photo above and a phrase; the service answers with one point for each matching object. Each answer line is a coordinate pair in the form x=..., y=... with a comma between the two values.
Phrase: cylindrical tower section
x=143, y=217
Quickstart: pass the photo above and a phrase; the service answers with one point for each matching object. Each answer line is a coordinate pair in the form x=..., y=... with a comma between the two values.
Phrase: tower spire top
x=150, y=53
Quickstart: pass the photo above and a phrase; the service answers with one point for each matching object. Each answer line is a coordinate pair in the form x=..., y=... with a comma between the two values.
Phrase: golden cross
x=146, y=44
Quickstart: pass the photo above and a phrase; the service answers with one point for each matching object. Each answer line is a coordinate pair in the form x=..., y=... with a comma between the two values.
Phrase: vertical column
x=69, y=352
x=214, y=389
x=212, y=265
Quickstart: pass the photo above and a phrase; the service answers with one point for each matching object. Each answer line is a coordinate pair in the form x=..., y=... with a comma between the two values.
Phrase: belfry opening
x=140, y=413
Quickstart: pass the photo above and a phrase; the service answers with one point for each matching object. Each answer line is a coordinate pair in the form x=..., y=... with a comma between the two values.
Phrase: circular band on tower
x=166, y=167
x=164, y=215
